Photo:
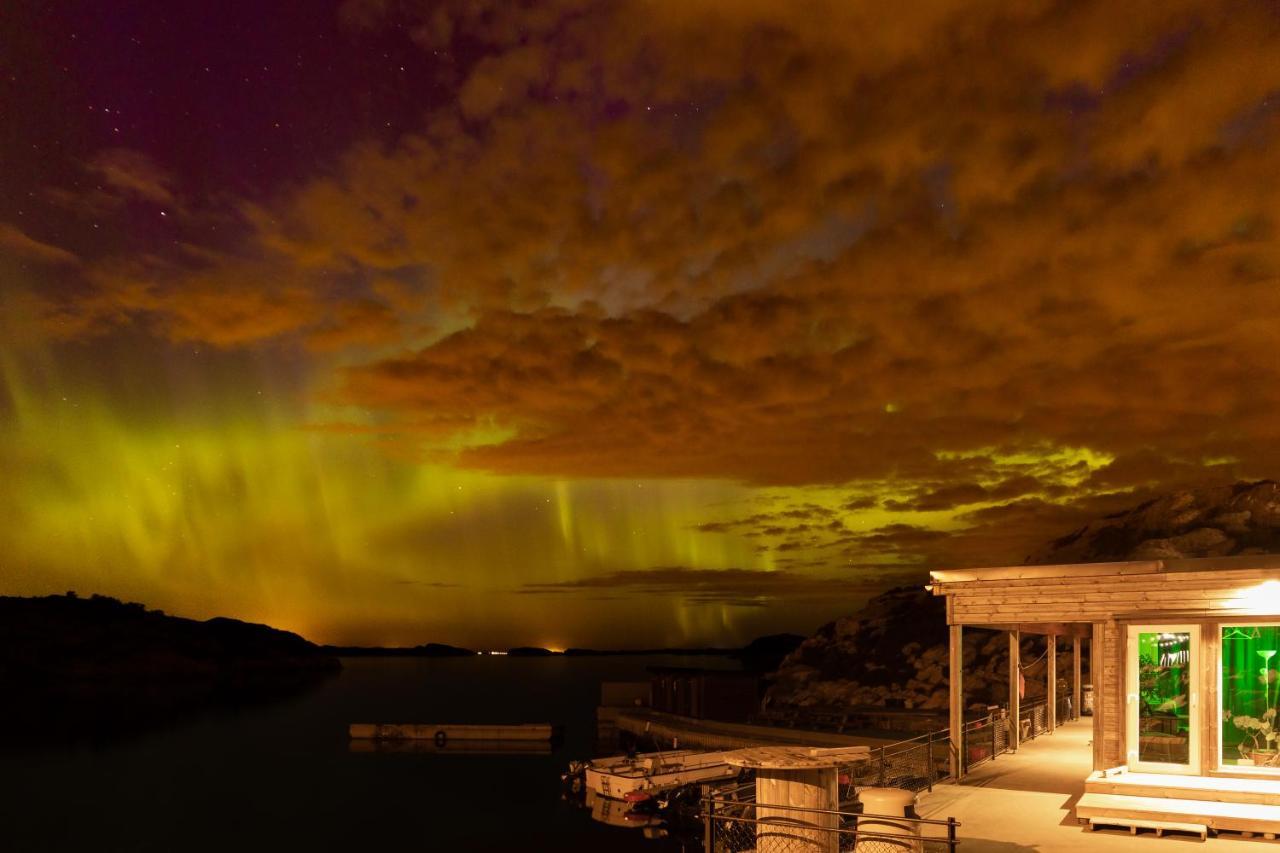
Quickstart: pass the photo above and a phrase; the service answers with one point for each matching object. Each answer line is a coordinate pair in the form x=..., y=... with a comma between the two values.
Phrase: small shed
x=712, y=694
x=1184, y=658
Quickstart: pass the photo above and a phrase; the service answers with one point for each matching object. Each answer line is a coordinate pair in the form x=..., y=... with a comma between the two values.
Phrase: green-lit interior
x=1164, y=691
x=1250, y=692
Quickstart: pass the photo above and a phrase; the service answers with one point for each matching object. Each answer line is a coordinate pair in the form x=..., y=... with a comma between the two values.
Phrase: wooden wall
x=1094, y=598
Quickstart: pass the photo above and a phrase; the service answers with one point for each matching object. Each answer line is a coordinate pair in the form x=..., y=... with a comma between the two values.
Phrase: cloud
x=15, y=241
x=132, y=174
x=736, y=587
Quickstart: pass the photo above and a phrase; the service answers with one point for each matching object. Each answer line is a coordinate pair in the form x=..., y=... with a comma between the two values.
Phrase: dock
x=455, y=747
x=670, y=729
x=442, y=733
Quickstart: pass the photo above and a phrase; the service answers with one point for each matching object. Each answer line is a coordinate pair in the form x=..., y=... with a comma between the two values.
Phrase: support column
x=1077, y=666
x=1051, y=691
x=955, y=676
x=1015, y=701
x=1095, y=670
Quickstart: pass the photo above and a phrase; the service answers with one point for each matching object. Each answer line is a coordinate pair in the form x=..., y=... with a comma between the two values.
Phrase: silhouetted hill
x=764, y=654
x=102, y=666
x=427, y=650
x=529, y=652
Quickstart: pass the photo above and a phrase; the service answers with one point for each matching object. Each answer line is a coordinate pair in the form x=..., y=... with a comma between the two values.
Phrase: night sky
x=617, y=324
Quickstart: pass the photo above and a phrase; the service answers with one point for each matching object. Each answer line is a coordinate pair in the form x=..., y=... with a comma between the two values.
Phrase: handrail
x=810, y=810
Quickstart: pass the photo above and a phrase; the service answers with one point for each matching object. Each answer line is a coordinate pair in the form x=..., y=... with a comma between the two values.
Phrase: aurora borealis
x=617, y=324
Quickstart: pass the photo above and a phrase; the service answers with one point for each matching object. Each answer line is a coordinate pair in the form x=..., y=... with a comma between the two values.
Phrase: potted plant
x=1259, y=747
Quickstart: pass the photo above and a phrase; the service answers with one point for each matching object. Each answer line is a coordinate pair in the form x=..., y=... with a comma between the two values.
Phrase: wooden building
x=712, y=694
x=1184, y=661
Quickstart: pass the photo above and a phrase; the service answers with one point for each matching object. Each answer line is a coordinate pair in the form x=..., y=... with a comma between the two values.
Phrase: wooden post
x=1076, y=668
x=1095, y=670
x=1015, y=701
x=1051, y=691
x=955, y=676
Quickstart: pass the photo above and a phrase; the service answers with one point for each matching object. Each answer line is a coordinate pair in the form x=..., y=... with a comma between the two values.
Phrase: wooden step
x=1211, y=788
x=1235, y=817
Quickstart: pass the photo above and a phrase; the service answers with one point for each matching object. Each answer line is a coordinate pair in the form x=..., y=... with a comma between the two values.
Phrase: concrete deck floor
x=1023, y=802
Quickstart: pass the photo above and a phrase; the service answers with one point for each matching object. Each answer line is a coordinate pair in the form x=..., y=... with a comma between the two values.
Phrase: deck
x=1024, y=803
x=662, y=729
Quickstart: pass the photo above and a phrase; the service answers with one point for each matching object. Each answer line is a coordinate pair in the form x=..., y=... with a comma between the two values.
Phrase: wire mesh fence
x=984, y=739
x=914, y=765
x=736, y=826
x=1033, y=717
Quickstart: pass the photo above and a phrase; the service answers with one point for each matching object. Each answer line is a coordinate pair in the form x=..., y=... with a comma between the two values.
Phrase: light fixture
x=1262, y=599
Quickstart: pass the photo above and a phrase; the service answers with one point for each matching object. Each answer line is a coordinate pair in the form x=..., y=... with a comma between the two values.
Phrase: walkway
x=1023, y=802
x=663, y=728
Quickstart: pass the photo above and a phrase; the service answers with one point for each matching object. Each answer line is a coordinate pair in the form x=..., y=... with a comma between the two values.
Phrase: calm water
x=281, y=777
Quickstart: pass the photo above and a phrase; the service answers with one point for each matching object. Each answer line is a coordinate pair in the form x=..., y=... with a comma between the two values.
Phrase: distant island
x=100, y=666
x=763, y=653
x=427, y=650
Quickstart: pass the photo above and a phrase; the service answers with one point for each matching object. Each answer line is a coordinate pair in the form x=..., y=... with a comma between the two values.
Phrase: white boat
x=652, y=772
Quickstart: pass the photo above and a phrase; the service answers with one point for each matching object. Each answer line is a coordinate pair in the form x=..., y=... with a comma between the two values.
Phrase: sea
x=283, y=776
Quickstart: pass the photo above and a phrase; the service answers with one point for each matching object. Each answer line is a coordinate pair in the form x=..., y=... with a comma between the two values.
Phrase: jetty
x=442, y=733
x=455, y=747
x=672, y=729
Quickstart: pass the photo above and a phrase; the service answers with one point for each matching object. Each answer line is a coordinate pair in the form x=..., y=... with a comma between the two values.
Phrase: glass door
x=1162, y=690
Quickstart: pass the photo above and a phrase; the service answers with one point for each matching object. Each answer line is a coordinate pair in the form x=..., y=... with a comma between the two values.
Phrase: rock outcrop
x=99, y=667
x=1214, y=522
x=893, y=653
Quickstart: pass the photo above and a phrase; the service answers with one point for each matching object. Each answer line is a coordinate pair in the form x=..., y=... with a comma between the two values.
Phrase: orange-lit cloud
x=973, y=271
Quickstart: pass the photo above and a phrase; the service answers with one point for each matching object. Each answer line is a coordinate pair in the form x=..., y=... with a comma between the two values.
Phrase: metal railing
x=914, y=765
x=985, y=738
x=732, y=825
x=1033, y=718
x=989, y=736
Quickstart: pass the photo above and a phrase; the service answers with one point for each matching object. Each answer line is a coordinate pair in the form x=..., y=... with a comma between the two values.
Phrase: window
x=1250, y=692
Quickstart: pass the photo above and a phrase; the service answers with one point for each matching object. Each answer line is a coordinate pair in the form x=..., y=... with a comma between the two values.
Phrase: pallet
x=1160, y=826
x=1119, y=810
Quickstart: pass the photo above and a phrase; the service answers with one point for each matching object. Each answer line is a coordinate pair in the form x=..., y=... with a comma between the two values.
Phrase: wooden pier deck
x=442, y=733
x=666, y=729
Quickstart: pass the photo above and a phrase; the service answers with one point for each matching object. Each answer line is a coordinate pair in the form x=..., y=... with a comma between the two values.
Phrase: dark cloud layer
x=737, y=587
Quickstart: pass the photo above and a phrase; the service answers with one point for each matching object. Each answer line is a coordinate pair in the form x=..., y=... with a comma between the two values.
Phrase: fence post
x=991, y=721
x=881, y=782
x=929, y=762
x=951, y=834
x=709, y=804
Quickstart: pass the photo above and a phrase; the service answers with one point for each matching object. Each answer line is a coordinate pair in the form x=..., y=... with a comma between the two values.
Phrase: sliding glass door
x=1162, y=691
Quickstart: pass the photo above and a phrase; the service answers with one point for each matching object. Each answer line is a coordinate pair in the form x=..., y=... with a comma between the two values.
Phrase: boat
x=653, y=772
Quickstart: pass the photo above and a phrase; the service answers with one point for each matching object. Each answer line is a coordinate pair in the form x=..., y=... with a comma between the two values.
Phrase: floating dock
x=455, y=747
x=442, y=733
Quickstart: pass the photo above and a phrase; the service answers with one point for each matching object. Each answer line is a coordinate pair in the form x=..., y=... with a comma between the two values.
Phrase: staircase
x=1185, y=803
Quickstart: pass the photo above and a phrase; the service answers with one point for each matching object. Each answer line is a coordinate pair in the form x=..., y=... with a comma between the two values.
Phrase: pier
x=668, y=730
x=441, y=733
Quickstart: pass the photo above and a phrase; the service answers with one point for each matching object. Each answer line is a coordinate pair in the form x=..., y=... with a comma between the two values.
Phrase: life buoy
x=441, y=737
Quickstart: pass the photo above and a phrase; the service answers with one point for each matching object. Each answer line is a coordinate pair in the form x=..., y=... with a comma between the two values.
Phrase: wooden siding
x=1096, y=597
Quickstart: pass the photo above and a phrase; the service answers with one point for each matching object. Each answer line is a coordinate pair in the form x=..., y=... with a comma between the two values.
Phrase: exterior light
x=1263, y=598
